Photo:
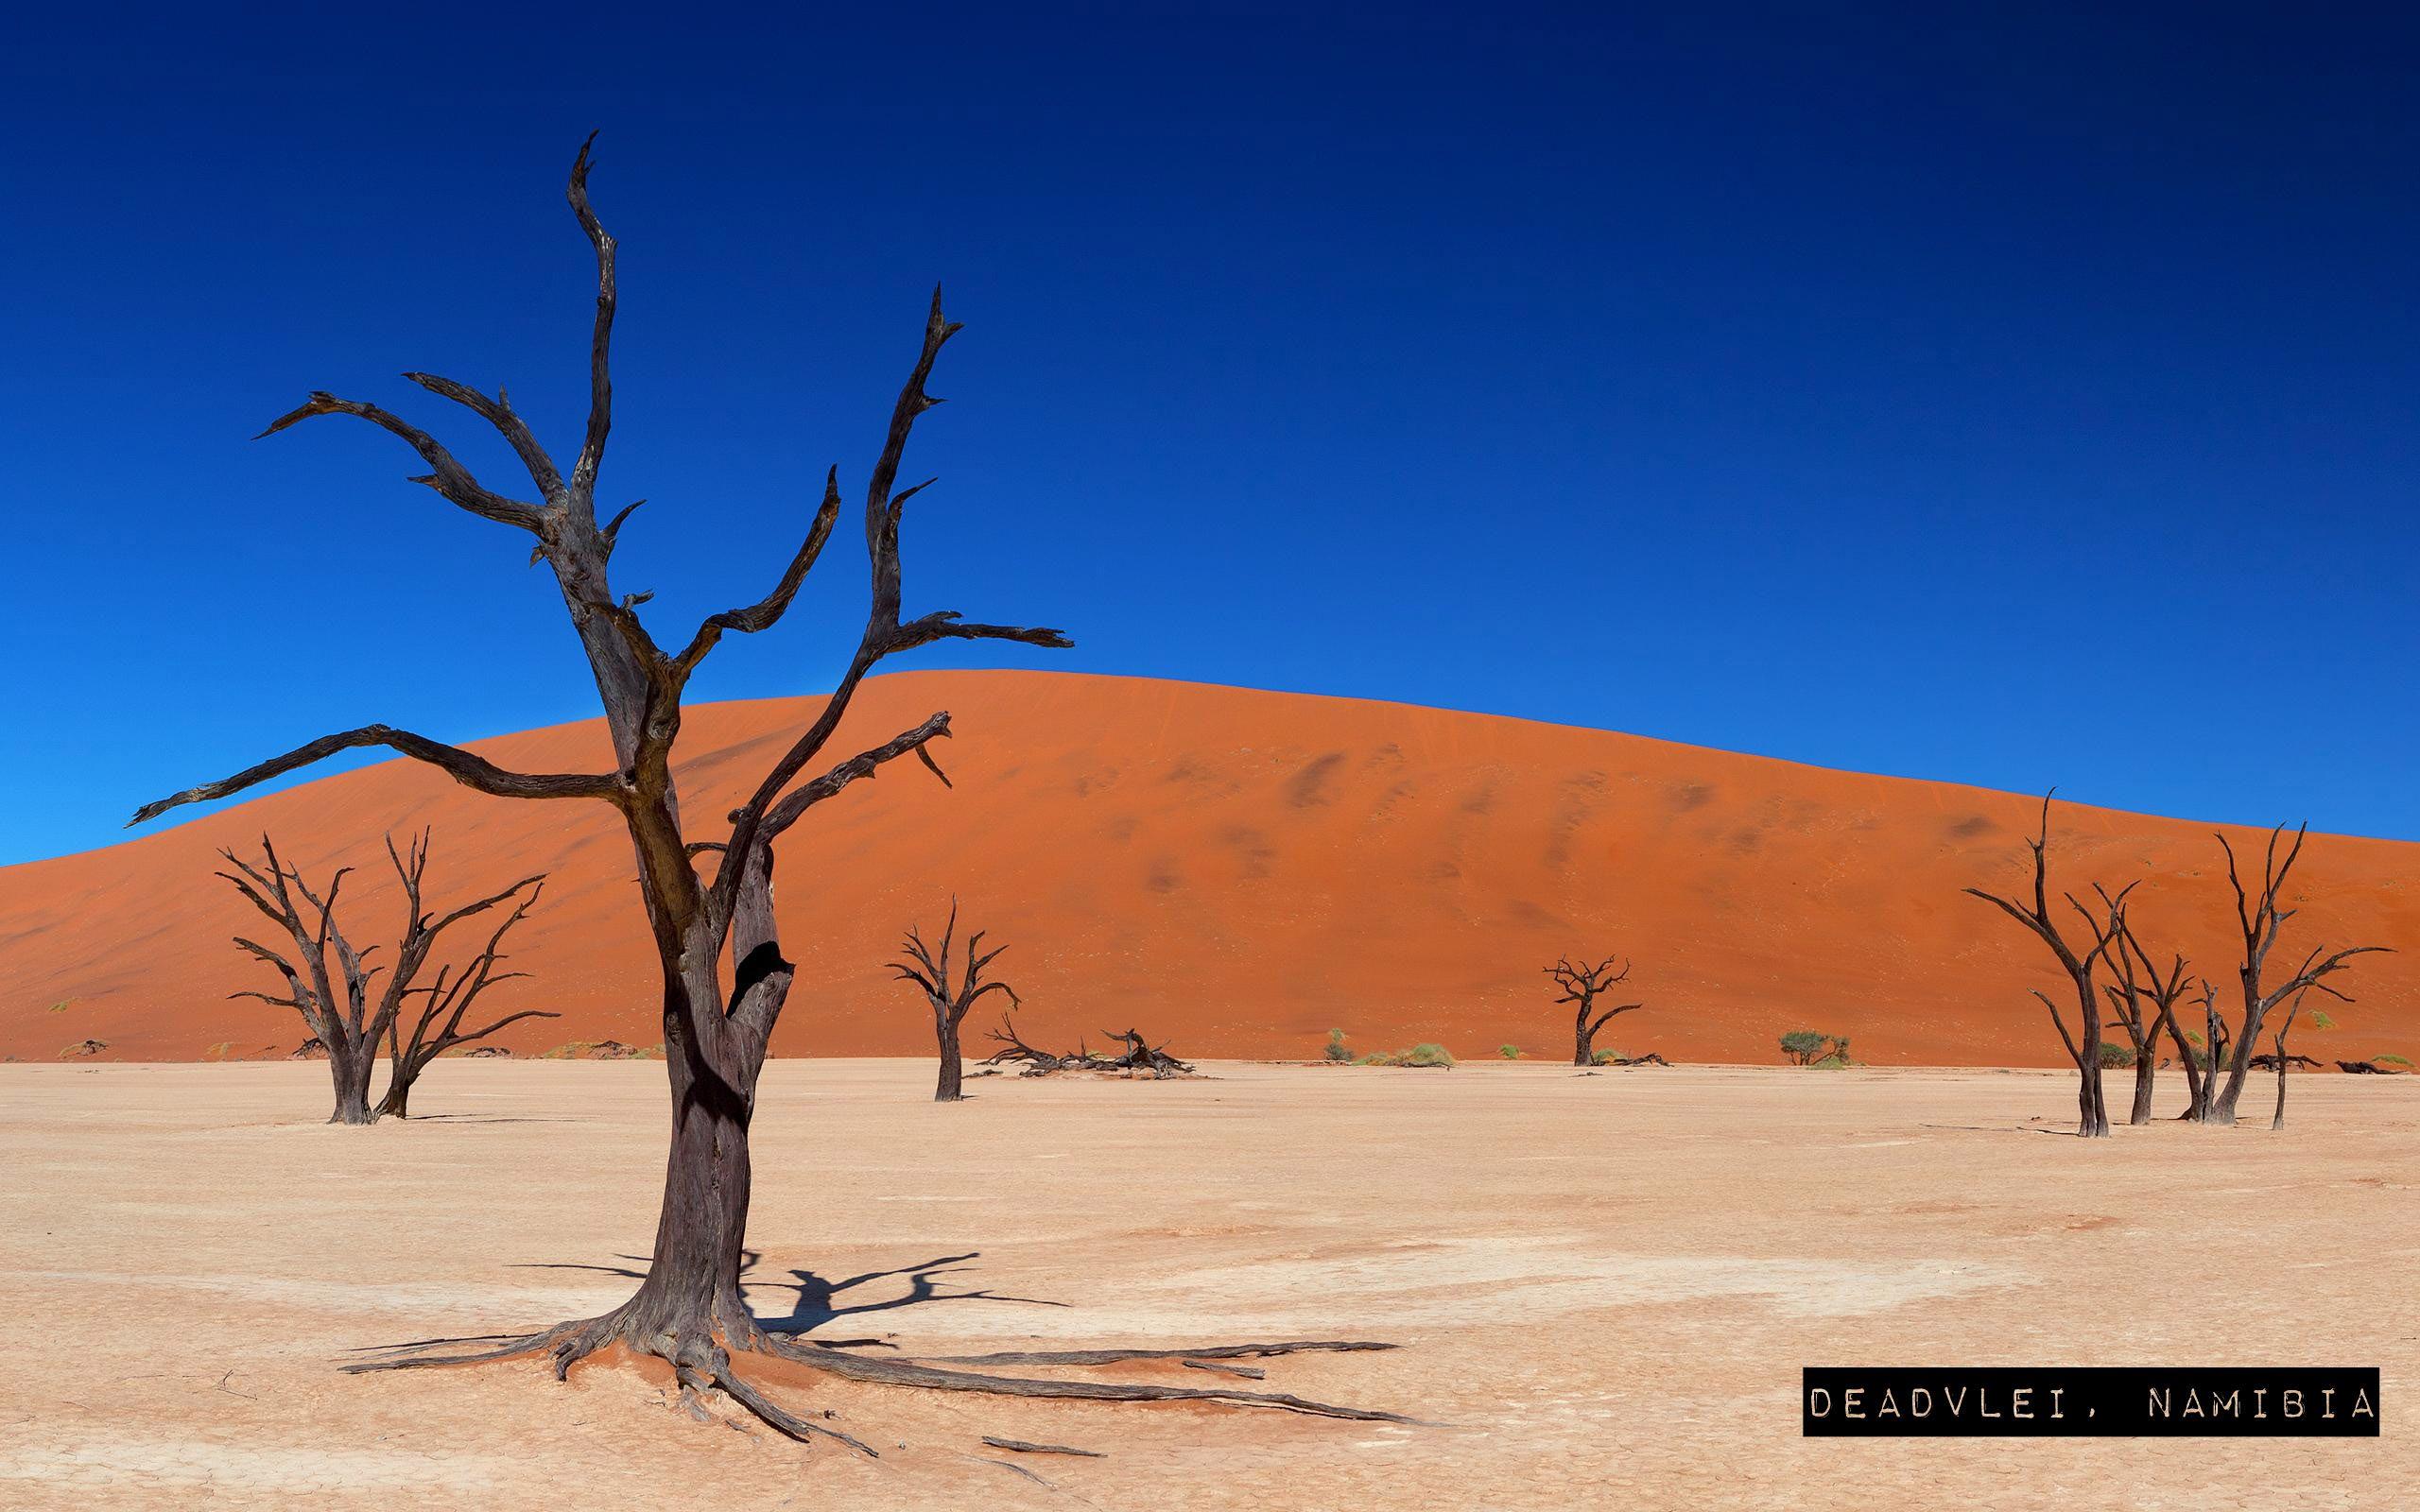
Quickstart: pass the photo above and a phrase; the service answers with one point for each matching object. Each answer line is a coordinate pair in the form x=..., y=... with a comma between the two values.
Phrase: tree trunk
x=1584, y=1050
x=397, y=1103
x=692, y=1286
x=945, y=1029
x=2091, y=1107
x=348, y=1066
x=2146, y=1064
x=2222, y=1100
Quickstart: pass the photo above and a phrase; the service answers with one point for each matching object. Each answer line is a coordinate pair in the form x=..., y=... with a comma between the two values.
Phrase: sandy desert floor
x=1604, y=1285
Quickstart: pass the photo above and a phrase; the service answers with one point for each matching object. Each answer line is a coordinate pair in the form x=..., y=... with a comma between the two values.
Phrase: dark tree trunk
x=397, y=1103
x=1584, y=1050
x=2146, y=1062
x=2092, y=1105
x=349, y=1067
x=952, y=1068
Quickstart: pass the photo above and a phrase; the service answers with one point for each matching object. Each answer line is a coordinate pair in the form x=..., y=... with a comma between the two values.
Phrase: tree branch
x=450, y=477
x=767, y=612
x=600, y=382
x=862, y=765
x=470, y=770
x=498, y=412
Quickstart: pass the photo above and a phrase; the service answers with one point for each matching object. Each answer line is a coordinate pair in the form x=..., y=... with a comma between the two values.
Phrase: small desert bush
x=1336, y=1048
x=2391, y=1060
x=2117, y=1056
x=1428, y=1056
x=1805, y=1047
x=1508, y=1052
x=2321, y=1019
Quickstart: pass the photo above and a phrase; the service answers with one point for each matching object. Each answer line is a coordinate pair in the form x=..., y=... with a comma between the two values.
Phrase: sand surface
x=1237, y=872
x=1603, y=1285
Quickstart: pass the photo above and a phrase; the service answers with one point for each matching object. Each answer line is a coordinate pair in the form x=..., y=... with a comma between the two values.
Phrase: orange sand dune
x=1235, y=873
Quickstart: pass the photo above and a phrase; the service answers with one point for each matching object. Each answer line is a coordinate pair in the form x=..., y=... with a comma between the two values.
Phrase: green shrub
x=1606, y=1056
x=1508, y=1052
x=1336, y=1050
x=1426, y=1056
x=2320, y=1019
x=1805, y=1047
x=1830, y=1063
x=2391, y=1060
x=2117, y=1056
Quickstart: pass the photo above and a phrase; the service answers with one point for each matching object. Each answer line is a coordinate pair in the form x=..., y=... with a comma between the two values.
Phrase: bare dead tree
x=445, y=1003
x=1015, y=1052
x=688, y=1310
x=929, y=970
x=2083, y=1047
x=1581, y=984
x=349, y=1027
x=2259, y=917
x=2277, y=1120
x=2144, y=999
x=1139, y=1057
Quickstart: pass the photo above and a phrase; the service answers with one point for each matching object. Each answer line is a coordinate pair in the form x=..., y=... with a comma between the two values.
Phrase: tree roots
x=702, y=1363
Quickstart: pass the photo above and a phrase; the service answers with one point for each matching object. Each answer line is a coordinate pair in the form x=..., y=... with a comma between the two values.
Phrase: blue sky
x=1981, y=393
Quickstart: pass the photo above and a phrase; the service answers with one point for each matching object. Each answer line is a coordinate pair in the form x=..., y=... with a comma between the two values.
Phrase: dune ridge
x=1233, y=872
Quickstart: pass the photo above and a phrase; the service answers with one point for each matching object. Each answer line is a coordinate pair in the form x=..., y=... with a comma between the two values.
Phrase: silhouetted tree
x=929, y=970
x=2259, y=918
x=445, y=1003
x=717, y=1017
x=1582, y=984
x=2084, y=1048
x=350, y=1026
x=2144, y=998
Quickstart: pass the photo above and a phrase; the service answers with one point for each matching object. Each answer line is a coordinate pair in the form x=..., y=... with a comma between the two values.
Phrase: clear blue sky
x=1966, y=392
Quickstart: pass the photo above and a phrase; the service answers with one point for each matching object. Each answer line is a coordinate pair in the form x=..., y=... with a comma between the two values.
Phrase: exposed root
x=1215, y=1351
x=1024, y=1448
x=1247, y=1372
x=913, y=1373
x=701, y=1365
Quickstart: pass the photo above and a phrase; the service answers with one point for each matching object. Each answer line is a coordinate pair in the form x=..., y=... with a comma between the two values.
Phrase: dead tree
x=446, y=1001
x=2277, y=1120
x=2258, y=919
x=348, y=1027
x=950, y=1002
x=1015, y=1052
x=717, y=1019
x=2145, y=999
x=1581, y=983
x=1141, y=1056
x=2105, y=926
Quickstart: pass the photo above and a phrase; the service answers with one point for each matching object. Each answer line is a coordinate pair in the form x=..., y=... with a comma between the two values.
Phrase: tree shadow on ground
x=817, y=1299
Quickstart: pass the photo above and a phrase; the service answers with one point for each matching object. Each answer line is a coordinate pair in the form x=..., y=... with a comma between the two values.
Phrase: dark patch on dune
x=1389, y=798
x=1578, y=800
x=1308, y=787
x=1684, y=797
x=1744, y=842
x=1120, y=828
x=1186, y=769
x=1970, y=826
x=1480, y=799
x=1529, y=913
x=1163, y=877
x=1252, y=849
x=1389, y=754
